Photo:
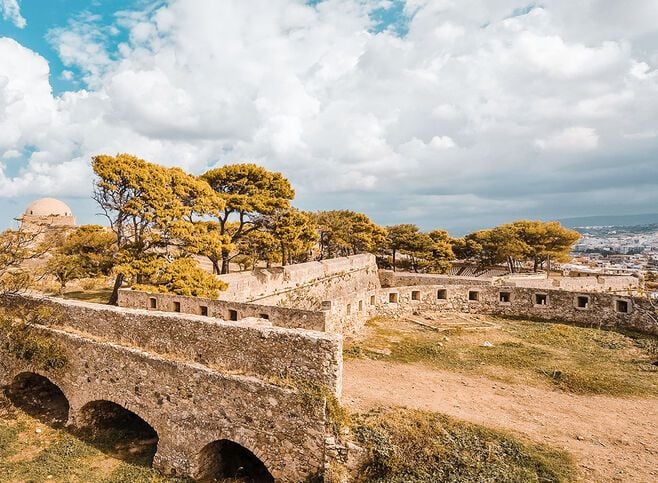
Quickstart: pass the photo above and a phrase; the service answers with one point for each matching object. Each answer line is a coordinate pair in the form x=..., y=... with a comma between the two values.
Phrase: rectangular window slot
x=233, y=315
x=505, y=297
x=415, y=295
x=360, y=305
x=264, y=316
x=473, y=295
x=393, y=298
x=541, y=299
x=442, y=294
x=153, y=302
x=622, y=306
x=204, y=311
x=349, y=309
x=176, y=306
x=372, y=300
x=582, y=302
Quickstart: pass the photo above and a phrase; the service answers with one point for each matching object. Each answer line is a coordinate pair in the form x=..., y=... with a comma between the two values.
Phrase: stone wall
x=193, y=381
x=388, y=278
x=601, y=309
x=225, y=310
x=189, y=406
x=600, y=283
x=303, y=286
x=261, y=351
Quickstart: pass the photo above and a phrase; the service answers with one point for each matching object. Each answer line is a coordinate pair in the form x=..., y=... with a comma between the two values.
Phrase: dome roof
x=48, y=207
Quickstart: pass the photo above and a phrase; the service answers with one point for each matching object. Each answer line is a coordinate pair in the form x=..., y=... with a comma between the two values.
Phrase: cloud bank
x=481, y=111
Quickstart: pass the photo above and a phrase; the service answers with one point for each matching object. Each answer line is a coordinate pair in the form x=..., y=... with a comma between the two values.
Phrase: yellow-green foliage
x=24, y=342
x=408, y=446
x=183, y=277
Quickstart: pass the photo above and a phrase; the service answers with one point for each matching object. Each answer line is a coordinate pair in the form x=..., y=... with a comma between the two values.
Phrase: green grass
x=574, y=359
x=412, y=446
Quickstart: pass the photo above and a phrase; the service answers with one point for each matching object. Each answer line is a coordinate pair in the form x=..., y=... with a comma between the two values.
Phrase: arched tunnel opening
x=118, y=432
x=39, y=397
x=225, y=460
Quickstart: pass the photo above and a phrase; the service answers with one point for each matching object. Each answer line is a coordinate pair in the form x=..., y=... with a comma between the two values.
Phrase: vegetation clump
x=405, y=445
x=21, y=339
x=579, y=360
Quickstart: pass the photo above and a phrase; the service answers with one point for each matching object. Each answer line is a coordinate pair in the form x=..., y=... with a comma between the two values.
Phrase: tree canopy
x=247, y=193
x=153, y=211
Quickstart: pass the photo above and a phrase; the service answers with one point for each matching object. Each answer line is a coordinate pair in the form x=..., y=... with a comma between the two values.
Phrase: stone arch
x=227, y=459
x=39, y=397
x=118, y=431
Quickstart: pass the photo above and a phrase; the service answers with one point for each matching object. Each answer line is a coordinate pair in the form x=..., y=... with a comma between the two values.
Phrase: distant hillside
x=610, y=220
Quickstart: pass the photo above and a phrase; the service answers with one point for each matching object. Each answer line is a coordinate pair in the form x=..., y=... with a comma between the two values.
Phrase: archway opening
x=118, y=432
x=39, y=397
x=225, y=460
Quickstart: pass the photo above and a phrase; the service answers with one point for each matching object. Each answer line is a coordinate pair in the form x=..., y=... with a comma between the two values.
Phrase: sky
x=448, y=114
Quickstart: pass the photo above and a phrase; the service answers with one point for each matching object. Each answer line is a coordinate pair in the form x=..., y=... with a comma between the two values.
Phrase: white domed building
x=47, y=213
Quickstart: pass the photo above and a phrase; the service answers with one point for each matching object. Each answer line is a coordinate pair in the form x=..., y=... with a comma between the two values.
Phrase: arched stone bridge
x=210, y=390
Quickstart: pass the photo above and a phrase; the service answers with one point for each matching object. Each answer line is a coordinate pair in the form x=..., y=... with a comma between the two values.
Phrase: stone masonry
x=194, y=380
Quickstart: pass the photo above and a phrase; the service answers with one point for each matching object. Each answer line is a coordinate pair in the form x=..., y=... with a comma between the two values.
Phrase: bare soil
x=612, y=438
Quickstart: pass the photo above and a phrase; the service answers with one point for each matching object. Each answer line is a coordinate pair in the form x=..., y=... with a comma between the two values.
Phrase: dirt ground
x=613, y=439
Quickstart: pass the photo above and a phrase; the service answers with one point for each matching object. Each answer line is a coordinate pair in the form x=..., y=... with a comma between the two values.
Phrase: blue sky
x=453, y=115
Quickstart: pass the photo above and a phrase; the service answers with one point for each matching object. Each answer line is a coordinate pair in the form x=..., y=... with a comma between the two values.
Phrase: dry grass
x=407, y=446
x=99, y=296
x=55, y=455
x=573, y=359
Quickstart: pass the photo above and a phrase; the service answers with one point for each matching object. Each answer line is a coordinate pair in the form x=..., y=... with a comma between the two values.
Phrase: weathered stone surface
x=146, y=362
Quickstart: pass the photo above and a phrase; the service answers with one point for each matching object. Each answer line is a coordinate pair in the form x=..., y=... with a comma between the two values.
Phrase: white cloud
x=576, y=139
x=470, y=94
x=11, y=11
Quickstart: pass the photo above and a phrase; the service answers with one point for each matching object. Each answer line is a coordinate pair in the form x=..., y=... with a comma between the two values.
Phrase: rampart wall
x=303, y=286
x=600, y=283
x=194, y=381
x=291, y=318
x=591, y=308
x=248, y=348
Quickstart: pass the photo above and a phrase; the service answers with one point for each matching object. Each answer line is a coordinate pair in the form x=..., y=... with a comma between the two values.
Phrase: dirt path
x=613, y=439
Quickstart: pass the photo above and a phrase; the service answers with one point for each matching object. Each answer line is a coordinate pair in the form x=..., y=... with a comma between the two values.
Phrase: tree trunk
x=284, y=262
x=534, y=268
x=394, y=259
x=225, y=261
x=215, y=267
x=114, y=298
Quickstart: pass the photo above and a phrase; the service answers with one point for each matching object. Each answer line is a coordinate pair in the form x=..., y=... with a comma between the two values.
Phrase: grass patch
x=575, y=359
x=99, y=296
x=407, y=445
x=56, y=455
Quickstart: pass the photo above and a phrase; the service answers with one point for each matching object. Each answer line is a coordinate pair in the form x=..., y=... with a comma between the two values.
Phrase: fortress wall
x=241, y=347
x=305, y=285
x=221, y=309
x=189, y=405
x=388, y=278
x=347, y=315
x=561, y=305
x=600, y=283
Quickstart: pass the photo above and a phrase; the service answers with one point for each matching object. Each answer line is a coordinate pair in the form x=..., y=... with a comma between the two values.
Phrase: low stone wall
x=388, y=278
x=600, y=283
x=599, y=309
x=265, y=352
x=221, y=309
